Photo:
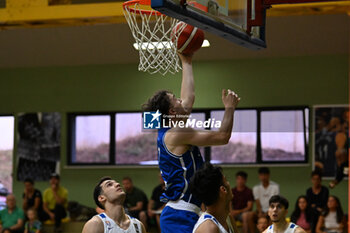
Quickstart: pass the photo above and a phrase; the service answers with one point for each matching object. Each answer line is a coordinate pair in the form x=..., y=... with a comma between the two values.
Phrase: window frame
x=207, y=155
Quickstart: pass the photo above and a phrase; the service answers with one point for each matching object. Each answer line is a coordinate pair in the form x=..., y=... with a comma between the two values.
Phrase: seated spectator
x=303, y=215
x=262, y=224
x=55, y=201
x=317, y=195
x=155, y=206
x=262, y=193
x=242, y=202
x=33, y=225
x=12, y=217
x=136, y=201
x=32, y=198
x=332, y=219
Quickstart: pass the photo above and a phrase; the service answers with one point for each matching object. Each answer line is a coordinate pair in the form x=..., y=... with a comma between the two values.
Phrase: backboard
x=239, y=21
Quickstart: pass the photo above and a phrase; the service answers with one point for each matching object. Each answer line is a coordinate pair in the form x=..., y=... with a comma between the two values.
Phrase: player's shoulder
x=207, y=226
x=177, y=134
x=299, y=230
x=95, y=224
x=95, y=219
x=180, y=130
x=266, y=230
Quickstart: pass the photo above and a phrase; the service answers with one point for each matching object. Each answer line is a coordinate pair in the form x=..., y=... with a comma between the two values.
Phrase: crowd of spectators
x=36, y=208
x=315, y=210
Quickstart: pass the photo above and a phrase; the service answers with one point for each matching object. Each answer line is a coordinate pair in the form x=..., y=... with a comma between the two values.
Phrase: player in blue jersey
x=178, y=154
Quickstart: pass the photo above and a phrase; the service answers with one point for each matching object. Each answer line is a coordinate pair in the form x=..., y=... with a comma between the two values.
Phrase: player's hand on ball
x=229, y=98
x=187, y=58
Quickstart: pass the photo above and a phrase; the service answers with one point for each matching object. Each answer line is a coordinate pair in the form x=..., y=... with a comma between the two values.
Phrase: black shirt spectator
x=157, y=192
x=32, y=198
x=317, y=195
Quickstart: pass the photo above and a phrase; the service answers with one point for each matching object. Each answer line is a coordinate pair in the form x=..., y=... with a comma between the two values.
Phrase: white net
x=154, y=39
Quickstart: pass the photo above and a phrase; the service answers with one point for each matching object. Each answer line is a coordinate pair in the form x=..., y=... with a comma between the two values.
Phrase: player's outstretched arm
x=189, y=136
x=187, y=84
x=94, y=225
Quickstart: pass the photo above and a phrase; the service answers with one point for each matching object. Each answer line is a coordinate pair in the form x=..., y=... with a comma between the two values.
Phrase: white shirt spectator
x=264, y=194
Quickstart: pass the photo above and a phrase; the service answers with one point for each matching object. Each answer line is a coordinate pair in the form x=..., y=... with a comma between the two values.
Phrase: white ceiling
x=109, y=44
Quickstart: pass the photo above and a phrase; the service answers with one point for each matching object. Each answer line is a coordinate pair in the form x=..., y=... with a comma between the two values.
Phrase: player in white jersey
x=110, y=197
x=210, y=186
x=278, y=209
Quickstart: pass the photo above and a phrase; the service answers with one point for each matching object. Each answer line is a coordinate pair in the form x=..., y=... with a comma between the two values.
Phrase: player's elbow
x=224, y=138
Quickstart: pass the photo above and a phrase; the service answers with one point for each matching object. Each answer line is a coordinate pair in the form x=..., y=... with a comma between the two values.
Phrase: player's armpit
x=189, y=136
x=207, y=227
x=94, y=225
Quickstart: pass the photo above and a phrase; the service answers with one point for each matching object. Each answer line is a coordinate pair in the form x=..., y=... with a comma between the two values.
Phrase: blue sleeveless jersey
x=177, y=171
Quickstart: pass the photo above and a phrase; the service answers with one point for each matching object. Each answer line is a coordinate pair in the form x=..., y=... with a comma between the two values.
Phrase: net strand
x=153, y=34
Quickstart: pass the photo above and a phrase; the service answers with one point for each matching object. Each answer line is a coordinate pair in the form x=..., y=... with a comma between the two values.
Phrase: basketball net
x=154, y=38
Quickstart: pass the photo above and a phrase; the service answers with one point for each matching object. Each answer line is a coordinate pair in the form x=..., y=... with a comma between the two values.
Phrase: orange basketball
x=189, y=40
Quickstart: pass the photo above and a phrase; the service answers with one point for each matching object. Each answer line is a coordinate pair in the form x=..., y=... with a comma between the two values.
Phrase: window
x=282, y=135
x=260, y=135
x=242, y=145
x=134, y=146
x=92, y=136
x=6, y=155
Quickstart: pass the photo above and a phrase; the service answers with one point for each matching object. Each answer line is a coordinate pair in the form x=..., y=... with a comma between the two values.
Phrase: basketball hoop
x=154, y=38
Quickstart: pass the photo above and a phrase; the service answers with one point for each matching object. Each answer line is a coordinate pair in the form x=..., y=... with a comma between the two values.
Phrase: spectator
x=262, y=224
x=317, y=195
x=278, y=209
x=32, y=198
x=264, y=191
x=303, y=215
x=55, y=201
x=136, y=201
x=12, y=217
x=210, y=186
x=242, y=202
x=33, y=225
x=155, y=206
x=332, y=219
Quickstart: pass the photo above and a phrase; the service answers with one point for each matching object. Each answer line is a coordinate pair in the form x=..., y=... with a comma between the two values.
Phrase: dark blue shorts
x=177, y=221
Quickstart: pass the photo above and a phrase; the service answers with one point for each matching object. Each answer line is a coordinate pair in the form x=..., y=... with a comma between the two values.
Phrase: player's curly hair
x=159, y=101
x=205, y=184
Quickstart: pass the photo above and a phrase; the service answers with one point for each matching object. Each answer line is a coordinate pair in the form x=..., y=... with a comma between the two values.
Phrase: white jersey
x=206, y=216
x=290, y=229
x=111, y=227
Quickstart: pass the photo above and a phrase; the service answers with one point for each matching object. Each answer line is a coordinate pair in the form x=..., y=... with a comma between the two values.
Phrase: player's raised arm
x=187, y=85
x=189, y=136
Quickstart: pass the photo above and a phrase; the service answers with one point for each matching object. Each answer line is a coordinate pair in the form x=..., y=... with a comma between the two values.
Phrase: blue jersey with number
x=177, y=170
